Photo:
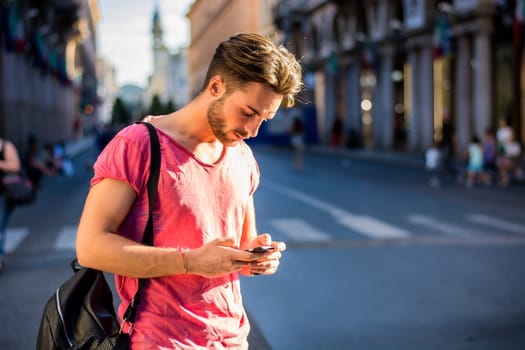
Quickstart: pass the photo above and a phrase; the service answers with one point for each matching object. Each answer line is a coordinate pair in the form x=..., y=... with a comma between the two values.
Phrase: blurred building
x=389, y=74
x=47, y=68
x=107, y=89
x=169, y=78
x=212, y=22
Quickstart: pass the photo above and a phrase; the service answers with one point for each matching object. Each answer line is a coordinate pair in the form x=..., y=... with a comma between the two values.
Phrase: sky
x=124, y=34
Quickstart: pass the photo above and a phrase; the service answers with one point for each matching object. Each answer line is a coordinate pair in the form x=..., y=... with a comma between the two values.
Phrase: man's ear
x=216, y=86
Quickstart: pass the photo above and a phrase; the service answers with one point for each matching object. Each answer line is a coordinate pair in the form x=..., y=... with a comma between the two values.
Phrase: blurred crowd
x=46, y=159
x=494, y=159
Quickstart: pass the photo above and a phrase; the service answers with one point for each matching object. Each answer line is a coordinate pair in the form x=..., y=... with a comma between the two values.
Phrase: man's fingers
x=281, y=246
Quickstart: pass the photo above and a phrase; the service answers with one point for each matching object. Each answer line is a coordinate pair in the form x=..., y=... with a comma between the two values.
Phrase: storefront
x=404, y=74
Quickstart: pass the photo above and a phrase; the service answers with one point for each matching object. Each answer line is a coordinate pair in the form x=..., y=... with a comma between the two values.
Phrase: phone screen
x=264, y=248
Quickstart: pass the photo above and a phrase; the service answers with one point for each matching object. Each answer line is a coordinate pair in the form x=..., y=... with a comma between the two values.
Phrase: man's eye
x=247, y=114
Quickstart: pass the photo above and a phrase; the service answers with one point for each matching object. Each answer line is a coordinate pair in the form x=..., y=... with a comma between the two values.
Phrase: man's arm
x=11, y=162
x=249, y=227
x=268, y=262
x=100, y=247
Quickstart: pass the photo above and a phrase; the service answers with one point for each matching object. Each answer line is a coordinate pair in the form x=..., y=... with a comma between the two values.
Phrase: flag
x=442, y=35
x=52, y=61
x=15, y=26
x=41, y=52
x=333, y=63
x=369, y=55
x=517, y=22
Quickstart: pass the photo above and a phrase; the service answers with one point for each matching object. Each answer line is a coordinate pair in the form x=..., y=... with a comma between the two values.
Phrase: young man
x=204, y=217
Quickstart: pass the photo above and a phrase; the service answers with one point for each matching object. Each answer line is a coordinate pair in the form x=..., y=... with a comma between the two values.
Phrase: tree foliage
x=120, y=113
x=159, y=108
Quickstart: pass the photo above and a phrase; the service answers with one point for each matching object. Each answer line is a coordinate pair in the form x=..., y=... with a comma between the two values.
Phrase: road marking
x=416, y=240
x=439, y=226
x=497, y=223
x=66, y=238
x=372, y=227
x=14, y=236
x=300, y=230
x=363, y=224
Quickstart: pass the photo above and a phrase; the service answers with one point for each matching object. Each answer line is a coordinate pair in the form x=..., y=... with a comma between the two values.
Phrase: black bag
x=18, y=189
x=80, y=315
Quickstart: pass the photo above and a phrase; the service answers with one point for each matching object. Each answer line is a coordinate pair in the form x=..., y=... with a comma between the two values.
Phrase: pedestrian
x=204, y=216
x=104, y=135
x=509, y=161
x=9, y=163
x=297, y=143
x=36, y=162
x=336, y=136
x=448, y=149
x=489, y=145
x=475, y=161
x=503, y=134
x=433, y=164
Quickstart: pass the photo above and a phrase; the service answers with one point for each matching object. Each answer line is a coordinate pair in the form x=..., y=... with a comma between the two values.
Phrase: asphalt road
x=376, y=259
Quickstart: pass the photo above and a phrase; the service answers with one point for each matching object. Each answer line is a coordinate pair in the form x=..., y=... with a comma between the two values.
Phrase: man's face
x=238, y=116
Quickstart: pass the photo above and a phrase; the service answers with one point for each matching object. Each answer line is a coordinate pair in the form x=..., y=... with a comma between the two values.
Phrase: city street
x=376, y=258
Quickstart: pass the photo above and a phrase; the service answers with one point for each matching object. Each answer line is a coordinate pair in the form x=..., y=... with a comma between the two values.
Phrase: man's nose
x=253, y=128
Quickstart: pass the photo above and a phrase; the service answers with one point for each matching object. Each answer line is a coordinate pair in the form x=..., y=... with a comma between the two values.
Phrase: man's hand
x=268, y=262
x=220, y=257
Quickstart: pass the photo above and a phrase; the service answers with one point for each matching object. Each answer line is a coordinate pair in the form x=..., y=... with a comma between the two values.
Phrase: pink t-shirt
x=196, y=203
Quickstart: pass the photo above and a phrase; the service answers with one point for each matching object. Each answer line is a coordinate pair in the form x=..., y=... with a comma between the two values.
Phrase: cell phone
x=261, y=249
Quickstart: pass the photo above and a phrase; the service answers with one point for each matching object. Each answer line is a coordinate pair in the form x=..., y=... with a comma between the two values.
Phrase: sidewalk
x=76, y=147
x=387, y=157
x=408, y=160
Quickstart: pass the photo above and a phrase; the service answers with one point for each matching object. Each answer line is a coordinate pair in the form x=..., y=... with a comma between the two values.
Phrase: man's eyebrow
x=254, y=110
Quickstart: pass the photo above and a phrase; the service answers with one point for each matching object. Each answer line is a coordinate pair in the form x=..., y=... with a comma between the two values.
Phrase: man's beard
x=217, y=124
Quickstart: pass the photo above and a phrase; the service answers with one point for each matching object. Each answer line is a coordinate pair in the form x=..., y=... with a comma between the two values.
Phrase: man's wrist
x=184, y=261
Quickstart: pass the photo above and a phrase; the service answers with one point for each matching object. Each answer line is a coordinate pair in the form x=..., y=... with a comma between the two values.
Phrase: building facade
x=212, y=22
x=169, y=77
x=47, y=68
x=388, y=74
x=107, y=89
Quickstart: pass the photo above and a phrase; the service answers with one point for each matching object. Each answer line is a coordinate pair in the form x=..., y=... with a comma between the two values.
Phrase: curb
x=387, y=157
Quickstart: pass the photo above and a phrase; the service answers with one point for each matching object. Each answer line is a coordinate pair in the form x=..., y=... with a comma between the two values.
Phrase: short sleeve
x=125, y=158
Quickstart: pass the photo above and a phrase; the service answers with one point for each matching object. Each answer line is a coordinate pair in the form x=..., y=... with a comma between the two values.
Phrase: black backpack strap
x=147, y=237
x=153, y=180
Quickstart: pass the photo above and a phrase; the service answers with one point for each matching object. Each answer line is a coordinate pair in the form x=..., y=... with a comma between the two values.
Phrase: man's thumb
x=225, y=242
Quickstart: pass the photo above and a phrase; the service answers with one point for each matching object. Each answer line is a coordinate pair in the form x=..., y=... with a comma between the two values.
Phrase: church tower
x=168, y=79
x=159, y=50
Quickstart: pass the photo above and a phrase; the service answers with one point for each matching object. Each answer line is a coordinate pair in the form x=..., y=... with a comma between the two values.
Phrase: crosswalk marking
x=66, y=238
x=14, y=236
x=299, y=229
x=497, y=223
x=372, y=227
x=365, y=225
x=448, y=229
